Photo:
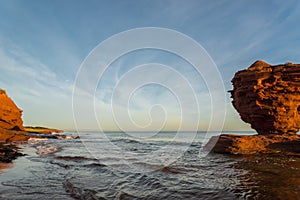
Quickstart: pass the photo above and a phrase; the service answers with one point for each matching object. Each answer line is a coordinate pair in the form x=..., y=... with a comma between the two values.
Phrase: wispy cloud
x=125, y=80
x=34, y=86
x=42, y=45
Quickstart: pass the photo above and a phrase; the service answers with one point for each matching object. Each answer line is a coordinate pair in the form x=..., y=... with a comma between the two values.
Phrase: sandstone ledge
x=43, y=130
x=255, y=144
x=12, y=135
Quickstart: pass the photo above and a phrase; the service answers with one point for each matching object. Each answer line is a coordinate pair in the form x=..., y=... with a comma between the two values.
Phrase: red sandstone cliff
x=11, y=123
x=268, y=97
x=10, y=114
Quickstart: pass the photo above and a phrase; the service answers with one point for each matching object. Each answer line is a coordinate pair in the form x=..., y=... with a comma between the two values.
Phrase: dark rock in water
x=8, y=152
x=268, y=97
x=41, y=135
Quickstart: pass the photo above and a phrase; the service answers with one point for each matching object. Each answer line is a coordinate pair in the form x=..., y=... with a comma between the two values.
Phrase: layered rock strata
x=10, y=114
x=268, y=97
x=11, y=123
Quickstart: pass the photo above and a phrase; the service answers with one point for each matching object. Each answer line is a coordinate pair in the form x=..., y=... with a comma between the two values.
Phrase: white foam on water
x=33, y=141
x=43, y=146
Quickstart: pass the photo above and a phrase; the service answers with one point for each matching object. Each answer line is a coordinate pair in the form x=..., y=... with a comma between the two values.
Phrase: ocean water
x=144, y=166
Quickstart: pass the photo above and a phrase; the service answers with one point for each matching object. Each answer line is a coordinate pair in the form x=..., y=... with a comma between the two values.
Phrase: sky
x=44, y=43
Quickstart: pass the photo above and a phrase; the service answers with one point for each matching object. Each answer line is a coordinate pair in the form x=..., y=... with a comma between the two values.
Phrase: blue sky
x=43, y=43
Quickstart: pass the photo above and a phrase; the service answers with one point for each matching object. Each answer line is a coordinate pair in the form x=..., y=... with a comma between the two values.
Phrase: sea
x=163, y=165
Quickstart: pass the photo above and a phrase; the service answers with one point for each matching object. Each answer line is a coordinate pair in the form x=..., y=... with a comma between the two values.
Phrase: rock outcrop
x=10, y=114
x=268, y=97
x=11, y=123
x=13, y=131
x=42, y=130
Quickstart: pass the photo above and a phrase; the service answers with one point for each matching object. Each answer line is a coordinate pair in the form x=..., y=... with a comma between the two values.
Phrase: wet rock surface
x=255, y=144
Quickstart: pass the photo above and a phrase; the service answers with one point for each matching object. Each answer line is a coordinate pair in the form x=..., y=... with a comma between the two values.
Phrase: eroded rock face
x=268, y=97
x=11, y=123
x=10, y=114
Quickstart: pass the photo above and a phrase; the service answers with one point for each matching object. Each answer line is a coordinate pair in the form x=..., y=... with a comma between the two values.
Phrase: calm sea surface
x=144, y=166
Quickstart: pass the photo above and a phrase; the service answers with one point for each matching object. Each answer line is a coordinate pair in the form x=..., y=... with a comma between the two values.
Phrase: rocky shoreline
x=12, y=131
x=9, y=149
x=8, y=152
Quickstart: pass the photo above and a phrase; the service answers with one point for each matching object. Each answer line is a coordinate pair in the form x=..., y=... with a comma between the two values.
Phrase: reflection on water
x=4, y=166
x=269, y=177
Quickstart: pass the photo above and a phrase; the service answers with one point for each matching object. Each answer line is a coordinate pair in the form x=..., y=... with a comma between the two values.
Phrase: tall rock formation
x=268, y=97
x=10, y=114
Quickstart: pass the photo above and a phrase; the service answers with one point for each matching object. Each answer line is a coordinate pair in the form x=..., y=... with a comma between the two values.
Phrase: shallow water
x=65, y=169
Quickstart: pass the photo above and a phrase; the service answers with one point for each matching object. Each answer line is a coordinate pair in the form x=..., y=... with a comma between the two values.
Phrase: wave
x=168, y=169
x=75, y=158
x=77, y=161
x=125, y=195
x=95, y=165
x=43, y=146
x=34, y=141
x=157, y=141
x=80, y=193
x=47, y=149
x=126, y=140
x=155, y=167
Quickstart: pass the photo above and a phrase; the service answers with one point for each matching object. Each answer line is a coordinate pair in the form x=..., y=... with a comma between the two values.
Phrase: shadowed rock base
x=255, y=144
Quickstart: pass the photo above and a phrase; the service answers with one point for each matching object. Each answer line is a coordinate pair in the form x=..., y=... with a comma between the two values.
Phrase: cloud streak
x=34, y=86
